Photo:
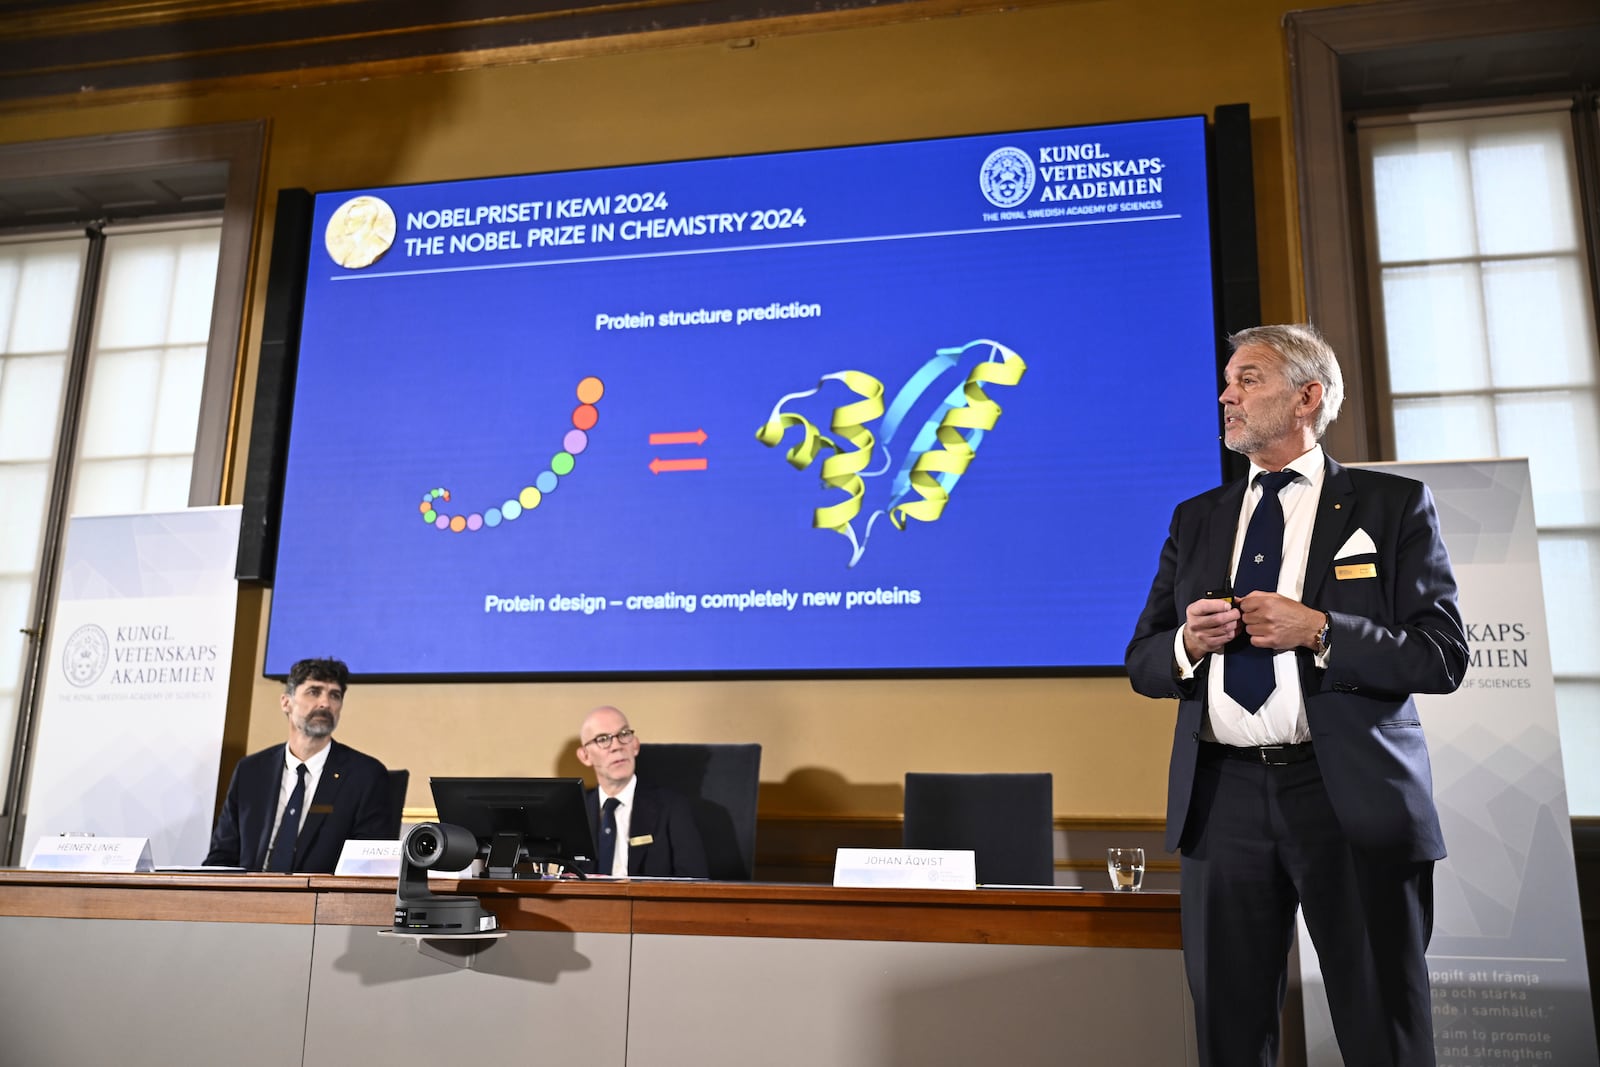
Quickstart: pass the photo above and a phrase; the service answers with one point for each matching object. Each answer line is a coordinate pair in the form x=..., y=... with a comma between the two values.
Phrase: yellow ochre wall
x=828, y=746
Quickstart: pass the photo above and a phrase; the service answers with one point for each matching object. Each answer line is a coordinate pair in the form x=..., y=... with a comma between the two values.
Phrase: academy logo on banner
x=88, y=652
x=141, y=655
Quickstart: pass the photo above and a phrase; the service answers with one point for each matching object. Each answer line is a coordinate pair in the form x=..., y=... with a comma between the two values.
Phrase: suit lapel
x=270, y=791
x=591, y=807
x=1223, y=531
x=1336, y=514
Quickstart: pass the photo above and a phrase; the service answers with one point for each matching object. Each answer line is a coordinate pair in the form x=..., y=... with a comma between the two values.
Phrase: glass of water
x=1126, y=866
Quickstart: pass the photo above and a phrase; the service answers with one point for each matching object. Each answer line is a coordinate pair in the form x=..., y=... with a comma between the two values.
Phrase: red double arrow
x=658, y=465
x=681, y=437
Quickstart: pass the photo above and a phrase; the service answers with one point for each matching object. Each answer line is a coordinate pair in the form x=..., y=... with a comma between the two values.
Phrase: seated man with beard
x=291, y=807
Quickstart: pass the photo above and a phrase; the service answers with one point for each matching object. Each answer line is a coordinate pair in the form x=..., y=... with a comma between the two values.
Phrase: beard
x=318, y=725
x=1258, y=431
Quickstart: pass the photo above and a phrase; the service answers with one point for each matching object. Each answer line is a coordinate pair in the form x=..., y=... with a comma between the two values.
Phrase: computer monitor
x=519, y=821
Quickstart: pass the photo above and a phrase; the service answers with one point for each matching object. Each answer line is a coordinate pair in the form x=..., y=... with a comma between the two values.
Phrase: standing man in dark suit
x=292, y=807
x=642, y=828
x=1292, y=616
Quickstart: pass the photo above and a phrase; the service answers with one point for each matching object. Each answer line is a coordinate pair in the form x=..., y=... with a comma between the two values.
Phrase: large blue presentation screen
x=910, y=407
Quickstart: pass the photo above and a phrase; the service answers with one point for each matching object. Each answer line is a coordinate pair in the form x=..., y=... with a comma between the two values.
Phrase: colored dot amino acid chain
x=584, y=417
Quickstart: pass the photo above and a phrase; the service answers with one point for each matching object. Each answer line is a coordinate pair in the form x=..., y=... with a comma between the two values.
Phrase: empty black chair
x=722, y=783
x=398, y=781
x=1006, y=819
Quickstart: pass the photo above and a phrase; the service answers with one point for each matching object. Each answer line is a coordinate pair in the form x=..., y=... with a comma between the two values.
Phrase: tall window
x=146, y=368
x=39, y=285
x=141, y=357
x=1486, y=324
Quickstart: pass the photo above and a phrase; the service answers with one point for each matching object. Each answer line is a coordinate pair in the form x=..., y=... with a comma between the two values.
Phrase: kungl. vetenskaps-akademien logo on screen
x=85, y=657
x=1006, y=177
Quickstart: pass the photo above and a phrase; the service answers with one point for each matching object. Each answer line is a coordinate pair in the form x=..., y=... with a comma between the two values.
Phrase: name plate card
x=379, y=859
x=112, y=855
x=905, y=868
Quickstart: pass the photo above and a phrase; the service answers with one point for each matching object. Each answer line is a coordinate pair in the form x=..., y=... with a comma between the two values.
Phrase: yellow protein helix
x=841, y=470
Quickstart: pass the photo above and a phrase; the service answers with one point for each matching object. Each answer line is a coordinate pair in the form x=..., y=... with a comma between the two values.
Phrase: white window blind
x=146, y=369
x=39, y=286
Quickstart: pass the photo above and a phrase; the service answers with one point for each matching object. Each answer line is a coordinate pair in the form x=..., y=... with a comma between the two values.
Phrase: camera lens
x=441, y=845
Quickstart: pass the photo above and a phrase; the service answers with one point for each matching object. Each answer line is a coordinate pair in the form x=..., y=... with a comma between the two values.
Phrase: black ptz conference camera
x=417, y=910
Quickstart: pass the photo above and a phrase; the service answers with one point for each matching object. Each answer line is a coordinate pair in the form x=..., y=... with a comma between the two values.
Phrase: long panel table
x=294, y=970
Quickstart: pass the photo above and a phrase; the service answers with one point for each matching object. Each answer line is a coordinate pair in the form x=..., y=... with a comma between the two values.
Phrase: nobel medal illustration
x=359, y=233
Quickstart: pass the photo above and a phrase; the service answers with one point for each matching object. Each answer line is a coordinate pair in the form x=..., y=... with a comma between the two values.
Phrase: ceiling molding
x=96, y=53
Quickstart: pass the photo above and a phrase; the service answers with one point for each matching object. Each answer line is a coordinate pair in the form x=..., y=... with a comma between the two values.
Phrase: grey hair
x=1307, y=357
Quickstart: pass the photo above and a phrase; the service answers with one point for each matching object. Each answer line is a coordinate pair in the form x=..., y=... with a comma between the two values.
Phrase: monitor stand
x=508, y=858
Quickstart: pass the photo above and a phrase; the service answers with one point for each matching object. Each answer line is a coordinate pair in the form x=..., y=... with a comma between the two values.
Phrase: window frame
x=1383, y=393
x=241, y=148
x=1321, y=45
x=1328, y=51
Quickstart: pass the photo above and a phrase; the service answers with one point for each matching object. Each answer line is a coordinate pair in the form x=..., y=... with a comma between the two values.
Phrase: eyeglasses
x=622, y=737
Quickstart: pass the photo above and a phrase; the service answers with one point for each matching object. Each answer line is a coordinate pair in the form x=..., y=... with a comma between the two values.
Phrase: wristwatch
x=1320, y=644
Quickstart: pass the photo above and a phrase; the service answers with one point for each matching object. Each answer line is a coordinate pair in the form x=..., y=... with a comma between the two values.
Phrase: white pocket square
x=1360, y=544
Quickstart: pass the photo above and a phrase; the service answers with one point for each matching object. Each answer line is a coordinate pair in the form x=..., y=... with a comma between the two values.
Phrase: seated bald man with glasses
x=639, y=829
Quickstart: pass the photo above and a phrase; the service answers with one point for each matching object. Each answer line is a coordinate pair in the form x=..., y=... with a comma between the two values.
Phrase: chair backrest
x=398, y=781
x=722, y=783
x=1006, y=819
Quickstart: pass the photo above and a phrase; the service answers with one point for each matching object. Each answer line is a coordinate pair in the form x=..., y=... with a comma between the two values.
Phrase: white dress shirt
x=624, y=817
x=1282, y=719
x=286, y=784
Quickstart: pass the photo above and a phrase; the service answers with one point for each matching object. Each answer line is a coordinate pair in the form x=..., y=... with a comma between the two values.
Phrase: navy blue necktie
x=608, y=836
x=1247, y=670
x=281, y=858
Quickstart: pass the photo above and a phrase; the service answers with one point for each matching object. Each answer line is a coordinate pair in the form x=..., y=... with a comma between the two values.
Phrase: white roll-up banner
x=136, y=685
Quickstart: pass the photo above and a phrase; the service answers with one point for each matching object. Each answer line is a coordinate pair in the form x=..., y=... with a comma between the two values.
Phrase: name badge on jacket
x=1359, y=544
